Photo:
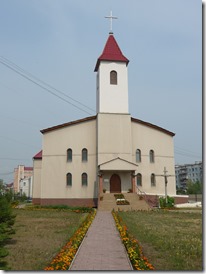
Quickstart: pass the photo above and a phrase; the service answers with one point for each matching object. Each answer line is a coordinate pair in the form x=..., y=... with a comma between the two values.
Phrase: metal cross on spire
x=111, y=18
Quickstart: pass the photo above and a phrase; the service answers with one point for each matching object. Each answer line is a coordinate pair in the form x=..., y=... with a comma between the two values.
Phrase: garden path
x=102, y=248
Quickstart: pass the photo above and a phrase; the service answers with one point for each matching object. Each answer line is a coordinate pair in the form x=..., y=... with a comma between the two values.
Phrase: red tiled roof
x=10, y=185
x=111, y=52
x=28, y=168
x=38, y=155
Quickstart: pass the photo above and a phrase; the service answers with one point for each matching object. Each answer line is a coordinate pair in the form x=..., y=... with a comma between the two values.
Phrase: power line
x=28, y=76
x=185, y=150
x=43, y=82
x=7, y=173
x=14, y=159
x=16, y=141
x=187, y=154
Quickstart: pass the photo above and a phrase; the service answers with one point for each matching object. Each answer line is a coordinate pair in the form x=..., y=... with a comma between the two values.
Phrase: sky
x=48, y=53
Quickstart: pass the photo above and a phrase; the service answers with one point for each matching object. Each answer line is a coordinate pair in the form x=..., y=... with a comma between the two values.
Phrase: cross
x=111, y=17
x=166, y=181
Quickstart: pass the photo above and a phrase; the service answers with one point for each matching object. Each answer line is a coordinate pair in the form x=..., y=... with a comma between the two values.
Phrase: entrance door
x=115, y=184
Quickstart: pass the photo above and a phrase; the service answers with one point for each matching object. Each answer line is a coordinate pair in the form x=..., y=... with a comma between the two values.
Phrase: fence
x=195, y=198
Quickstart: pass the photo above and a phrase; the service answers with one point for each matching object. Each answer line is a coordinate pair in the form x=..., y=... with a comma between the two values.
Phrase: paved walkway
x=102, y=248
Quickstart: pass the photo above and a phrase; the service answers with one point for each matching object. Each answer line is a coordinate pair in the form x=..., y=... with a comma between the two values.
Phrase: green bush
x=6, y=228
x=169, y=204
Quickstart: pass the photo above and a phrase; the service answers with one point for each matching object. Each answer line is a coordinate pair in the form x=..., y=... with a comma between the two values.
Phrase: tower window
x=84, y=155
x=113, y=77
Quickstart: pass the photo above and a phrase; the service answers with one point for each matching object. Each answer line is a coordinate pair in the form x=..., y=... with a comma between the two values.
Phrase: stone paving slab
x=102, y=248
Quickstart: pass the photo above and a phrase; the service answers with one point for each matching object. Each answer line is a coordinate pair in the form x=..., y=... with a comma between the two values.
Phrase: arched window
x=153, y=180
x=84, y=155
x=138, y=155
x=69, y=155
x=113, y=77
x=151, y=156
x=139, y=179
x=69, y=179
x=84, y=179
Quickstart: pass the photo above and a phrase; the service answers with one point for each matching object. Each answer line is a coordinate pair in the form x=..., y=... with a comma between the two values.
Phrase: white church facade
x=110, y=151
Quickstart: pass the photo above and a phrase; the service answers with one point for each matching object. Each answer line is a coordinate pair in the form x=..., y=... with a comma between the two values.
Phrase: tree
x=194, y=188
x=6, y=225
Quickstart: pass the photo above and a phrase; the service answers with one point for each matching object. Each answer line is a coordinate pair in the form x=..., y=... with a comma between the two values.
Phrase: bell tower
x=111, y=79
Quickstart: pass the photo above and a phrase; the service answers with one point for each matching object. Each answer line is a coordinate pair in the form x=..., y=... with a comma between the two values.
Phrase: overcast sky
x=59, y=41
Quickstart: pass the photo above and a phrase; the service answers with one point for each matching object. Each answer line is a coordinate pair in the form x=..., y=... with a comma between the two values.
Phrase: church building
x=109, y=152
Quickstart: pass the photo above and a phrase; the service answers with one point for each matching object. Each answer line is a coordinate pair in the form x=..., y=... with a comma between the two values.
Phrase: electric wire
x=28, y=76
x=43, y=82
x=186, y=153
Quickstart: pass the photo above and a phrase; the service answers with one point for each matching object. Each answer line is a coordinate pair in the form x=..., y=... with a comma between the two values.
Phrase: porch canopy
x=118, y=164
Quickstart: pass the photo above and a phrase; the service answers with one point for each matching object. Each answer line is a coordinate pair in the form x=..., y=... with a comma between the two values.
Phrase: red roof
x=28, y=168
x=38, y=155
x=111, y=52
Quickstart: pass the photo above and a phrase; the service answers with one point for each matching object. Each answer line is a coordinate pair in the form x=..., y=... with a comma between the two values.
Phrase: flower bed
x=120, y=199
x=64, y=258
x=134, y=250
x=122, y=202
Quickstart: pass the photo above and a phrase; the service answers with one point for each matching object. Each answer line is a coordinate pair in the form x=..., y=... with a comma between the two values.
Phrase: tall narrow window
x=153, y=180
x=69, y=179
x=139, y=179
x=138, y=155
x=84, y=155
x=84, y=179
x=151, y=156
x=69, y=155
x=113, y=77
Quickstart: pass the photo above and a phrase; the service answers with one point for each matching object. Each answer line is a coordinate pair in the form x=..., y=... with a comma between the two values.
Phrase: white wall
x=55, y=165
x=25, y=186
x=112, y=98
x=37, y=170
x=114, y=137
x=146, y=138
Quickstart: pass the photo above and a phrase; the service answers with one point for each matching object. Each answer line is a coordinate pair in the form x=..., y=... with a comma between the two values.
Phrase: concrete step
x=109, y=203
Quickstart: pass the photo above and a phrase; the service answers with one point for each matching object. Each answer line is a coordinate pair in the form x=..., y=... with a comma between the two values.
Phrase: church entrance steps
x=108, y=203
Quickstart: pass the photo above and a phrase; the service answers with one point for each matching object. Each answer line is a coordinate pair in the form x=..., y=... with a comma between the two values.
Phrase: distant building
x=21, y=173
x=9, y=187
x=25, y=187
x=192, y=172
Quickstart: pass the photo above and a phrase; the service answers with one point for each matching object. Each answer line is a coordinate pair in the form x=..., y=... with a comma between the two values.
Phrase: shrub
x=169, y=204
x=6, y=228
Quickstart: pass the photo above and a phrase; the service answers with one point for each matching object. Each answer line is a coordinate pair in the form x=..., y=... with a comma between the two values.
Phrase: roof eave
x=68, y=124
x=109, y=60
x=153, y=126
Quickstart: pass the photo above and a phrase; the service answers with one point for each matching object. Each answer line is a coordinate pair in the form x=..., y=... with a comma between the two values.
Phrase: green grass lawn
x=171, y=240
x=40, y=234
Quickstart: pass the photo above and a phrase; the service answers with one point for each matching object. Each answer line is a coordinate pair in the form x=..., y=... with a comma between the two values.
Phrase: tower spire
x=110, y=17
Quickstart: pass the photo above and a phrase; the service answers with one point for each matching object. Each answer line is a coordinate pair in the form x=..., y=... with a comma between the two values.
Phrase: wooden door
x=115, y=184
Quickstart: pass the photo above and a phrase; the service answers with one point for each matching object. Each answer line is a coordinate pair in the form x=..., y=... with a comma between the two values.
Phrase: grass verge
x=40, y=235
x=171, y=240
